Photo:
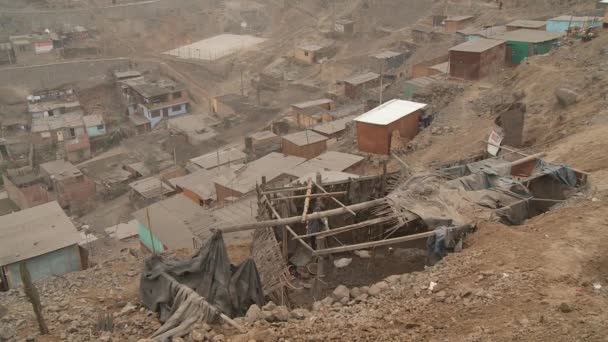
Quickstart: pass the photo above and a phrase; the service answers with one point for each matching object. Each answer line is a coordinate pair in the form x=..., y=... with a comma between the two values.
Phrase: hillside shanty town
x=300, y=171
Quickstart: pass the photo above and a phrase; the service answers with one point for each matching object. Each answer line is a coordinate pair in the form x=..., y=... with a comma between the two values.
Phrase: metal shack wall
x=492, y=60
x=307, y=151
x=519, y=51
x=465, y=65
x=376, y=139
x=57, y=262
x=223, y=192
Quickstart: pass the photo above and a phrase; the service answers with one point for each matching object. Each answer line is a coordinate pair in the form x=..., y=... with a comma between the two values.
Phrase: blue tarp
x=561, y=172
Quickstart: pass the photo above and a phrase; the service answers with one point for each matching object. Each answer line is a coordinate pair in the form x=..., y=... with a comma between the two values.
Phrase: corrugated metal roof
x=576, y=19
x=327, y=177
x=271, y=166
x=328, y=161
x=479, y=45
x=92, y=120
x=386, y=54
x=214, y=159
x=361, y=78
x=304, y=138
x=527, y=23
x=61, y=169
x=312, y=103
x=529, y=36
x=150, y=187
x=172, y=220
x=35, y=231
x=310, y=47
x=421, y=81
x=263, y=135
x=334, y=126
x=459, y=18
x=390, y=111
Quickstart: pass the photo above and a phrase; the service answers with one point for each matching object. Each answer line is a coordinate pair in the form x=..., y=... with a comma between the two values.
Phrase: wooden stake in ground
x=32, y=294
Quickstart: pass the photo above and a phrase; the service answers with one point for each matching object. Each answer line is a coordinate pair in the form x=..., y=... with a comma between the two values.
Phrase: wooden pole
x=286, y=189
x=295, y=219
x=150, y=230
x=335, y=199
x=328, y=194
x=381, y=242
x=527, y=159
x=32, y=295
x=307, y=200
x=287, y=227
x=347, y=228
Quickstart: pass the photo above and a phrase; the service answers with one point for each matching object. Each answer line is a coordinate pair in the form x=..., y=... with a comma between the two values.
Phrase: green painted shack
x=42, y=237
x=524, y=43
x=415, y=84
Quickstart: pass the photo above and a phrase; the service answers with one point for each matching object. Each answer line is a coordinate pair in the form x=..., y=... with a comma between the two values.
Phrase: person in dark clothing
x=314, y=226
x=500, y=5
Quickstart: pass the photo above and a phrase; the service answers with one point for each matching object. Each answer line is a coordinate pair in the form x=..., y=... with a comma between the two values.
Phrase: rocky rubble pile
x=407, y=307
x=74, y=303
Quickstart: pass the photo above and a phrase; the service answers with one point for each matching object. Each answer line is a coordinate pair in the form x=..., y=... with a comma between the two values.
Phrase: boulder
x=299, y=314
x=341, y=292
x=374, y=290
x=254, y=313
x=393, y=279
x=565, y=307
x=566, y=97
x=269, y=306
x=355, y=292
x=327, y=301
x=281, y=313
x=198, y=335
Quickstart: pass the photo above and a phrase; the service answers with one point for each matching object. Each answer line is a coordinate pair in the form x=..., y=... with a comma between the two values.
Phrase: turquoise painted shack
x=562, y=23
x=43, y=238
x=94, y=125
x=414, y=85
x=524, y=43
x=168, y=224
x=470, y=33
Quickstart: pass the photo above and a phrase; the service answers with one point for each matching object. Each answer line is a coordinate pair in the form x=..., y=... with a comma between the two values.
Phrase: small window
x=100, y=127
x=177, y=95
x=73, y=132
x=155, y=113
x=305, y=53
x=176, y=108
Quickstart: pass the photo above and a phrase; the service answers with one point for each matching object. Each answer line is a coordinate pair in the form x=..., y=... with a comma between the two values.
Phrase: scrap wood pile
x=205, y=288
x=491, y=189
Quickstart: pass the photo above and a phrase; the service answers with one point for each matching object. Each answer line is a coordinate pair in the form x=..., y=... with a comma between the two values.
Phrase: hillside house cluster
x=57, y=119
x=151, y=101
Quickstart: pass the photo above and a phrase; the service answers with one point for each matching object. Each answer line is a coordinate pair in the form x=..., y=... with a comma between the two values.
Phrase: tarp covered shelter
x=230, y=289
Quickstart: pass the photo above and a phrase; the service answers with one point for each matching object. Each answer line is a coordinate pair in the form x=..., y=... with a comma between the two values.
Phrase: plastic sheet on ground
x=209, y=273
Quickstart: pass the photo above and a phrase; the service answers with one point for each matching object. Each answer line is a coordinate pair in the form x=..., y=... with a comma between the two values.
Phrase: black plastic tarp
x=209, y=272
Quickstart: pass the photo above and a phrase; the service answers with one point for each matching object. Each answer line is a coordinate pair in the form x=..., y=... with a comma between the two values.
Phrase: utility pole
x=242, y=84
x=381, y=79
x=32, y=294
x=150, y=230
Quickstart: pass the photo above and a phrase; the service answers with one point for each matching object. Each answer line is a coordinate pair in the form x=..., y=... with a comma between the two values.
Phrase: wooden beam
x=287, y=227
x=527, y=159
x=348, y=228
x=381, y=242
x=335, y=199
x=546, y=200
x=329, y=194
x=307, y=200
x=295, y=219
x=407, y=167
x=286, y=189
